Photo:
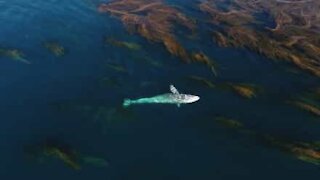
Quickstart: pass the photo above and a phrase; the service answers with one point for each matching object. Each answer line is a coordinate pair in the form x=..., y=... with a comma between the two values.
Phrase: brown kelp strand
x=248, y=91
x=245, y=90
x=123, y=44
x=55, y=48
x=305, y=151
x=229, y=123
x=14, y=54
x=302, y=150
x=202, y=80
x=308, y=101
x=155, y=21
x=295, y=37
x=204, y=59
x=111, y=114
x=308, y=106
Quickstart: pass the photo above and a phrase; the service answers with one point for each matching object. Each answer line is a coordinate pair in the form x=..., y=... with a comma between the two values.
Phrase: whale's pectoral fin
x=173, y=89
x=178, y=105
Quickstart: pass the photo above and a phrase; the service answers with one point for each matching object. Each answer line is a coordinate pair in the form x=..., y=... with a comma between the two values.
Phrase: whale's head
x=190, y=98
x=194, y=98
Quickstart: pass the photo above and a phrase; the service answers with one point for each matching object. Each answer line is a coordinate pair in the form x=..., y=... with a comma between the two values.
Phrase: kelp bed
x=292, y=35
x=154, y=20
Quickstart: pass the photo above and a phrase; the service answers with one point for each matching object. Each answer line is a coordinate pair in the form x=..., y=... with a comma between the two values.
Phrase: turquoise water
x=76, y=100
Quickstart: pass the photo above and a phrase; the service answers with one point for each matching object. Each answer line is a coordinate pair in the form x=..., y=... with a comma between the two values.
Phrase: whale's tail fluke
x=126, y=103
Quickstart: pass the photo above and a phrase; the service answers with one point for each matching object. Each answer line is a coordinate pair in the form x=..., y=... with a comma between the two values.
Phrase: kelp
x=303, y=150
x=308, y=101
x=295, y=37
x=202, y=80
x=244, y=90
x=95, y=161
x=204, y=59
x=123, y=44
x=149, y=61
x=248, y=91
x=308, y=106
x=152, y=19
x=229, y=123
x=53, y=148
x=14, y=54
x=55, y=48
x=155, y=21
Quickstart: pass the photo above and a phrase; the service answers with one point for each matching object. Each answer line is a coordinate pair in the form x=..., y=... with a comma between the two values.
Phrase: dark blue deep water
x=76, y=100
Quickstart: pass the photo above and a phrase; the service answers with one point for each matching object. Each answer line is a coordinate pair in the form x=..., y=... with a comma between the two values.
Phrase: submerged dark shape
x=302, y=150
x=149, y=61
x=229, y=123
x=106, y=116
x=112, y=114
x=55, y=48
x=52, y=148
x=13, y=54
x=96, y=161
x=102, y=114
x=295, y=38
x=317, y=93
x=113, y=81
x=116, y=67
x=55, y=149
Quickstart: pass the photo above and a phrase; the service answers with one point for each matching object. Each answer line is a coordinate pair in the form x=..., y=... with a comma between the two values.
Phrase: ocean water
x=76, y=100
